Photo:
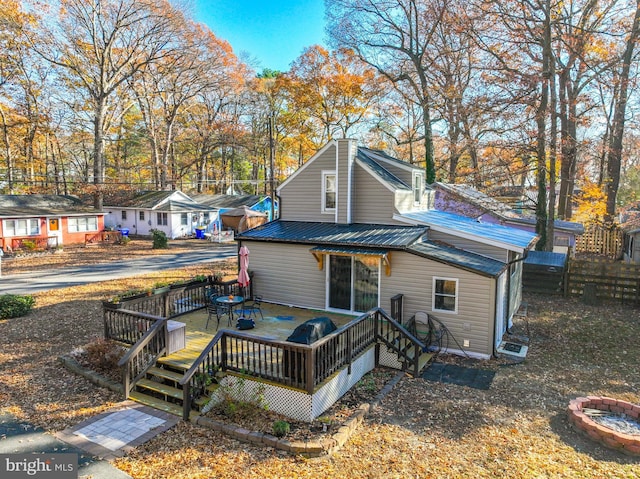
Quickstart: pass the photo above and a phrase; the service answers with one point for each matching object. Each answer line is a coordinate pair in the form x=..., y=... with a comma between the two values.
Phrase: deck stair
x=161, y=389
x=405, y=350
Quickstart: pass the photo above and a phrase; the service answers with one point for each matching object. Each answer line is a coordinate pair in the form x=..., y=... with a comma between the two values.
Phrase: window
x=27, y=227
x=82, y=223
x=162, y=219
x=328, y=191
x=417, y=188
x=141, y=216
x=445, y=295
x=124, y=214
x=184, y=219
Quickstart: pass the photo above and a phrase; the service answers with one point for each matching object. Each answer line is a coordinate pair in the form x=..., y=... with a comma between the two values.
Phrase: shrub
x=15, y=305
x=281, y=428
x=29, y=245
x=125, y=240
x=104, y=354
x=160, y=240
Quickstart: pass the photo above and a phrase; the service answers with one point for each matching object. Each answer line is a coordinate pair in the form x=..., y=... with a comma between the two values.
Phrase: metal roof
x=503, y=235
x=381, y=236
x=13, y=206
x=546, y=258
x=349, y=250
x=458, y=257
x=500, y=209
x=367, y=156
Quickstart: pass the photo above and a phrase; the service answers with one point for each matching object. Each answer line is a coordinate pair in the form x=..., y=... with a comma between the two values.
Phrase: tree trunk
x=7, y=150
x=614, y=157
x=98, y=153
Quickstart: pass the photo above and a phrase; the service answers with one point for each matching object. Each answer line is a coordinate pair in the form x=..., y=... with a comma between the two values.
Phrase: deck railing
x=103, y=237
x=144, y=354
x=301, y=366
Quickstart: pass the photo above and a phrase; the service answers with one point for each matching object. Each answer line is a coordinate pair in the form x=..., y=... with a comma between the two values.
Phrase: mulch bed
x=516, y=428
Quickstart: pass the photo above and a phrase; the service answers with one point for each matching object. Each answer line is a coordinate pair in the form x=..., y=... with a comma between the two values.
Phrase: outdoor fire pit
x=612, y=423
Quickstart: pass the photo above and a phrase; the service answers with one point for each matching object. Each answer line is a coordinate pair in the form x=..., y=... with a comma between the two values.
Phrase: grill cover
x=312, y=330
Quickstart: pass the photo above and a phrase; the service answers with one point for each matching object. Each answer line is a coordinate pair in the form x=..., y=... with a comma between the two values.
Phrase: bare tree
x=614, y=153
x=99, y=45
x=393, y=36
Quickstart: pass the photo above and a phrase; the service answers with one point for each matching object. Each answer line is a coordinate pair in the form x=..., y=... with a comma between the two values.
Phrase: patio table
x=229, y=302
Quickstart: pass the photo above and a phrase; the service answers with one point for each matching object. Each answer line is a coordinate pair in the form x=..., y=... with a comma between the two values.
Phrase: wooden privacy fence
x=598, y=240
x=603, y=280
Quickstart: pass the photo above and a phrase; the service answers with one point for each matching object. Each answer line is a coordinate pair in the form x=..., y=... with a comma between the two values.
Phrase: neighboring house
x=173, y=212
x=224, y=203
x=467, y=201
x=45, y=221
x=358, y=227
x=630, y=226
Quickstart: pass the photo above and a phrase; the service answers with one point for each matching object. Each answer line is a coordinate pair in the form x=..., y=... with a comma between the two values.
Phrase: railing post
x=310, y=369
x=349, y=349
x=186, y=400
x=126, y=379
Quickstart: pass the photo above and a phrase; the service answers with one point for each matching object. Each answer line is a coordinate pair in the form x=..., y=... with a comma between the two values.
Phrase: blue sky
x=273, y=31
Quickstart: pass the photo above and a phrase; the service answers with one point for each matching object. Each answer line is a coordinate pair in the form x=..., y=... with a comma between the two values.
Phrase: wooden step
x=424, y=360
x=165, y=373
x=160, y=388
x=156, y=403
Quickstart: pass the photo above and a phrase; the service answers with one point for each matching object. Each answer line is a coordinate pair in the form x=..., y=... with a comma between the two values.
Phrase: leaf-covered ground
x=517, y=428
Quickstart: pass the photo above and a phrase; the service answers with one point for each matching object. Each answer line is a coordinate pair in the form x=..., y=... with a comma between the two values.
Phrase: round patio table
x=229, y=302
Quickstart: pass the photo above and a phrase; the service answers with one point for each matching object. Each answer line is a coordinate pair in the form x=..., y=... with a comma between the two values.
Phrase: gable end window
x=417, y=188
x=184, y=219
x=328, y=191
x=445, y=295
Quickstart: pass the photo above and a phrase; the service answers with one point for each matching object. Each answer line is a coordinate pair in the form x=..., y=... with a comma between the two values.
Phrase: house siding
x=412, y=276
x=286, y=274
x=489, y=251
x=301, y=200
x=372, y=202
x=346, y=153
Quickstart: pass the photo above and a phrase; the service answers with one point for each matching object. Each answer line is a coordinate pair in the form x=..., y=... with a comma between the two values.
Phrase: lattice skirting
x=297, y=404
x=389, y=358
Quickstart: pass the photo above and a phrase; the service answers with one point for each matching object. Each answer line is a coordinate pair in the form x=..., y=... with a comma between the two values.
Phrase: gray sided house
x=173, y=212
x=358, y=228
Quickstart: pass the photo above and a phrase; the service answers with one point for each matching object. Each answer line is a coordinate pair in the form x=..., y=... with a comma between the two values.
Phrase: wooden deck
x=279, y=322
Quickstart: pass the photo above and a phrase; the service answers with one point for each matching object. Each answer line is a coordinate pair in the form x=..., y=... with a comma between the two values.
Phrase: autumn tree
x=394, y=37
x=99, y=45
x=334, y=88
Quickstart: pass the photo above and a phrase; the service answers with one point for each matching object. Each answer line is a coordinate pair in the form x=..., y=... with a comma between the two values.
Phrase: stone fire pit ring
x=625, y=443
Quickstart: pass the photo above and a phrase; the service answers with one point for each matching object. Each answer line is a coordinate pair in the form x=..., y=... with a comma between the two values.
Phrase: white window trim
x=326, y=173
x=420, y=182
x=433, y=295
x=9, y=234
x=78, y=230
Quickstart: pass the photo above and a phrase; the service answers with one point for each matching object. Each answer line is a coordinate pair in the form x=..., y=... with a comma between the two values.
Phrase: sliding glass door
x=353, y=282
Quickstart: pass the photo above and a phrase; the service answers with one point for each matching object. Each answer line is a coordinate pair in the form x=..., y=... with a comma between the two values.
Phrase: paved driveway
x=29, y=283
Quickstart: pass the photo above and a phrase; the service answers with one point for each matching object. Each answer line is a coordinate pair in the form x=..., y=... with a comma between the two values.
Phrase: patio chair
x=218, y=310
x=253, y=307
